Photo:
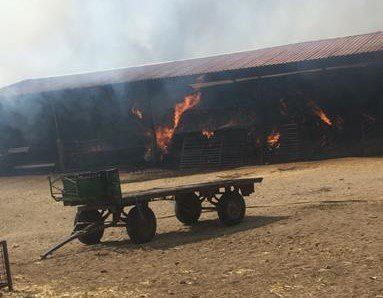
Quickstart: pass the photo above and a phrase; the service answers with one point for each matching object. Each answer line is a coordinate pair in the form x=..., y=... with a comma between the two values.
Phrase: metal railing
x=5, y=271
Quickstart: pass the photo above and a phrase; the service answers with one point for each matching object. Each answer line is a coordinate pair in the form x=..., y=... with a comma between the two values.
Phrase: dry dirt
x=312, y=229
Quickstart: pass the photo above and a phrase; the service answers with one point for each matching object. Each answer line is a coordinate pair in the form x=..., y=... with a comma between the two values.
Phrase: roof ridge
x=239, y=52
x=248, y=51
x=196, y=58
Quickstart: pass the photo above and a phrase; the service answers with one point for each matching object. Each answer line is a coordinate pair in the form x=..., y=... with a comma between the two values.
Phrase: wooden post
x=3, y=244
x=155, y=152
x=59, y=142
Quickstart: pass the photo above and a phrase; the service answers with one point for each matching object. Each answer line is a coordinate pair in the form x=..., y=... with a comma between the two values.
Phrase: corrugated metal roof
x=305, y=51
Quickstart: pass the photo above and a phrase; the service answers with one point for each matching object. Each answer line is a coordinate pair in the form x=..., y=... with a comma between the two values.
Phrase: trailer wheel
x=188, y=208
x=141, y=224
x=83, y=219
x=231, y=208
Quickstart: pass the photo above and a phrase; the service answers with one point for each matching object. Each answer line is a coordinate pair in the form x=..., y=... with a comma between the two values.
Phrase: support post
x=59, y=142
x=155, y=153
x=7, y=267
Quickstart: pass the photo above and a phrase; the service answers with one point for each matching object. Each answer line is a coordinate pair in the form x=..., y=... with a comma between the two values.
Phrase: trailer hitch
x=89, y=228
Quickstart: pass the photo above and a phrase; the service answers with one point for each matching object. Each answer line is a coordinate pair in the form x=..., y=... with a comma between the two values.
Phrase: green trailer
x=101, y=203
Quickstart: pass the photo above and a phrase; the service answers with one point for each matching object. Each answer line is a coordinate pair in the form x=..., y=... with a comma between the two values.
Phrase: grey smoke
x=54, y=37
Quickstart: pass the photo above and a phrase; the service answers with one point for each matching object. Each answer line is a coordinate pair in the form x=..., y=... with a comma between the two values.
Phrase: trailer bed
x=130, y=197
x=100, y=204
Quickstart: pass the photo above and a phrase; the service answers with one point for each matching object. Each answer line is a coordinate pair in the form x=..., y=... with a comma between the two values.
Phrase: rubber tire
x=188, y=208
x=231, y=208
x=141, y=224
x=90, y=216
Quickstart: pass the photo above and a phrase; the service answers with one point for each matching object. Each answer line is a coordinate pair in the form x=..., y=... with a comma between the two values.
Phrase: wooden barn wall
x=105, y=113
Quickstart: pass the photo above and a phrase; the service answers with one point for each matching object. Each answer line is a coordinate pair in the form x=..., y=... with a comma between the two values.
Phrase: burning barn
x=310, y=100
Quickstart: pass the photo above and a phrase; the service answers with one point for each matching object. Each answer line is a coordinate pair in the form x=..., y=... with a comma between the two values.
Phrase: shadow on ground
x=203, y=230
x=209, y=229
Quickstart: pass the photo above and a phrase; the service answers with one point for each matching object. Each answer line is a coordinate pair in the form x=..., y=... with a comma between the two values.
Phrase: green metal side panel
x=93, y=188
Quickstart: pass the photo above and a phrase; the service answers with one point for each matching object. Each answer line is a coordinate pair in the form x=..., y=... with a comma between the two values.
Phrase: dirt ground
x=312, y=229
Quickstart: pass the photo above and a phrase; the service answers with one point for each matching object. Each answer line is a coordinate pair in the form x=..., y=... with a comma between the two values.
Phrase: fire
x=165, y=134
x=273, y=139
x=136, y=112
x=320, y=113
x=208, y=133
x=189, y=102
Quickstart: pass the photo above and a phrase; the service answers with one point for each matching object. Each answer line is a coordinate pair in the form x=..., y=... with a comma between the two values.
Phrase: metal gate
x=224, y=150
x=5, y=272
x=289, y=148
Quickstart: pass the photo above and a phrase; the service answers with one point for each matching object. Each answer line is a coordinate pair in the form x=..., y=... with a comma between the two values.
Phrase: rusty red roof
x=299, y=52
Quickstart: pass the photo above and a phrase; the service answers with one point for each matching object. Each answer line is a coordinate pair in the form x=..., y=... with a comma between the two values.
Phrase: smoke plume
x=42, y=38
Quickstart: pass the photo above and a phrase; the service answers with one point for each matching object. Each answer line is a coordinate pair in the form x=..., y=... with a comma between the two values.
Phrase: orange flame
x=165, y=134
x=190, y=101
x=320, y=113
x=136, y=112
x=273, y=139
x=208, y=133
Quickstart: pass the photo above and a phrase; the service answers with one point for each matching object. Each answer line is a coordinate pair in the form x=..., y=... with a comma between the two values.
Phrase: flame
x=136, y=112
x=320, y=113
x=207, y=133
x=189, y=102
x=165, y=134
x=273, y=139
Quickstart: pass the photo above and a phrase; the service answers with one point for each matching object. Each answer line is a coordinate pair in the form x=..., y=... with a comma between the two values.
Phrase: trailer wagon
x=101, y=203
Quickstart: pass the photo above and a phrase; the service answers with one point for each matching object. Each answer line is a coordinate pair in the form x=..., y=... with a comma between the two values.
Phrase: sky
x=42, y=38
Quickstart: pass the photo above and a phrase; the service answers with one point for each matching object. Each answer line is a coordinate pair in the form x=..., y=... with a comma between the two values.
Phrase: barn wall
x=97, y=126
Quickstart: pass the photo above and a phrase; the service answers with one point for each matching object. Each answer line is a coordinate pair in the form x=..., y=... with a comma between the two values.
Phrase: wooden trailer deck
x=131, y=197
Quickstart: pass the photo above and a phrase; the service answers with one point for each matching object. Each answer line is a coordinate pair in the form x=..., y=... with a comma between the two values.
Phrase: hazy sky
x=42, y=38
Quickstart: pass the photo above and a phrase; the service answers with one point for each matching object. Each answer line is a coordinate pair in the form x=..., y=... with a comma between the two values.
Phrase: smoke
x=55, y=37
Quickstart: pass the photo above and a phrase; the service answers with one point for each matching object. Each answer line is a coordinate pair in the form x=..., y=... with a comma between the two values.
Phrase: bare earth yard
x=312, y=229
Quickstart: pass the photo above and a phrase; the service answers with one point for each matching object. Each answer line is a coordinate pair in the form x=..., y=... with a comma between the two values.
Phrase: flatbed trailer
x=100, y=204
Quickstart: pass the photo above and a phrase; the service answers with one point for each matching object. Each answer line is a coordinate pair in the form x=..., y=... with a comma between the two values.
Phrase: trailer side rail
x=245, y=185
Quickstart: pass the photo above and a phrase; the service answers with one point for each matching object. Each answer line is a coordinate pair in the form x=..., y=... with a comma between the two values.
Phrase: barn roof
x=318, y=50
